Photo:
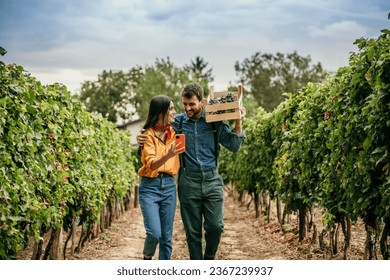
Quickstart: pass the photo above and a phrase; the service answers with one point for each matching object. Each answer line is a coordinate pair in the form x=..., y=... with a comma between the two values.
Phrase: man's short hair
x=193, y=89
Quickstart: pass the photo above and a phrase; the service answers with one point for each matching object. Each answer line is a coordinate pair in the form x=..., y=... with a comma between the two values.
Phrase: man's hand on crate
x=238, y=122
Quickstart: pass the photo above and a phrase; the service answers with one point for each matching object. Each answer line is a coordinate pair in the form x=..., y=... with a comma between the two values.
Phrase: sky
x=74, y=41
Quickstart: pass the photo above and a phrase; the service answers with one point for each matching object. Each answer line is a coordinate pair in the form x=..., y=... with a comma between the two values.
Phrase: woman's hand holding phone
x=180, y=143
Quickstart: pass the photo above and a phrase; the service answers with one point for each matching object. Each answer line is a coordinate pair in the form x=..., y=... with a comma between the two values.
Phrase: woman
x=157, y=190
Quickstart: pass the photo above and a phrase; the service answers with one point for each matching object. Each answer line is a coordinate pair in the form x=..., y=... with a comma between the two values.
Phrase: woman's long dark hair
x=159, y=105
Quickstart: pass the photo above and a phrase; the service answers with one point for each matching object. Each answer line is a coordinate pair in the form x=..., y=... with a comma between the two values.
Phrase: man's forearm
x=238, y=128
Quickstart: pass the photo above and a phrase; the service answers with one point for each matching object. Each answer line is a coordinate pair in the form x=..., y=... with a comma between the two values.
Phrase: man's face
x=192, y=106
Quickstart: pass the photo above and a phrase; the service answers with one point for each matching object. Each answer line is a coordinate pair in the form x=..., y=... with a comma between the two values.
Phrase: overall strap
x=215, y=132
x=181, y=124
x=183, y=162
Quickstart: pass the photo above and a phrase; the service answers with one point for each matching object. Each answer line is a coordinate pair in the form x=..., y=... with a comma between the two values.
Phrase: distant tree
x=118, y=95
x=112, y=94
x=268, y=76
x=198, y=69
x=165, y=78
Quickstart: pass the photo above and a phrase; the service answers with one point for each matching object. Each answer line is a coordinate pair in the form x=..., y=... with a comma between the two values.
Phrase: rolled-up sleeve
x=231, y=140
x=149, y=152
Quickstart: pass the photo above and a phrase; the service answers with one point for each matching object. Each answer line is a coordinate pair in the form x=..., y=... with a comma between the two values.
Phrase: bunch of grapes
x=223, y=99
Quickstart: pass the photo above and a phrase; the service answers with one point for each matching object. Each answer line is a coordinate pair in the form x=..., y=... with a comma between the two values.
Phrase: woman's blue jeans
x=157, y=197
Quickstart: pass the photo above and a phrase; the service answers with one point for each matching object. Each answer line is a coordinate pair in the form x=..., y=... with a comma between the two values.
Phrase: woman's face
x=170, y=116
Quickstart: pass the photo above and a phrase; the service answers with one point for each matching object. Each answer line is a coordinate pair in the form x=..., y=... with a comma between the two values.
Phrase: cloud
x=341, y=30
x=75, y=40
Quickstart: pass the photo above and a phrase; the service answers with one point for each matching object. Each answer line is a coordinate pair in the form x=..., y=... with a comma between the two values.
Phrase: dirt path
x=242, y=239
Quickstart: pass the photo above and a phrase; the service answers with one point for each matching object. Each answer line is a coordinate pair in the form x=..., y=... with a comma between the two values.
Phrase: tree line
x=124, y=95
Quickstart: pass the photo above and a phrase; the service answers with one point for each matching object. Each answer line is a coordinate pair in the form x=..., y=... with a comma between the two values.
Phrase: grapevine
x=60, y=164
x=327, y=146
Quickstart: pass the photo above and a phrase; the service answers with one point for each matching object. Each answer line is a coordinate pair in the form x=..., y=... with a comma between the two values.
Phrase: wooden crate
x=213, y=111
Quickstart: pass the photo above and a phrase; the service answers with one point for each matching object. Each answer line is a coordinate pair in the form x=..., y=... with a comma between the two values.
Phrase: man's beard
x=194, y=114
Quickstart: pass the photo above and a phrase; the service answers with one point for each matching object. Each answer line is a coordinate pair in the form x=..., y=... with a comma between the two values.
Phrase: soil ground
x=245, y=238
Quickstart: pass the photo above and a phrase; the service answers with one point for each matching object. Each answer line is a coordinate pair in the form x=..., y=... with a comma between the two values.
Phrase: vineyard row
x=327, y=146
x=61, y=166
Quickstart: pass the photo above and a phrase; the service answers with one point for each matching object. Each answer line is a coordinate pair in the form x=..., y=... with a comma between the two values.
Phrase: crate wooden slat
x=212, y=110
x=221, y=106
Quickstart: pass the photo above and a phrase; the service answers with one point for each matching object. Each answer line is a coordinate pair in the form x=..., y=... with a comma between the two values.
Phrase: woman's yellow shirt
x=153, y=149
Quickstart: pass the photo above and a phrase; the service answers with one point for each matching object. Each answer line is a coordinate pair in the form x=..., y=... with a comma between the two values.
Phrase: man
x=200, y=186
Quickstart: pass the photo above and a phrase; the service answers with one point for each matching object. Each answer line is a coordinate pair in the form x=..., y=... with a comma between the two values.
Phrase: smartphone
x=181, y=139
